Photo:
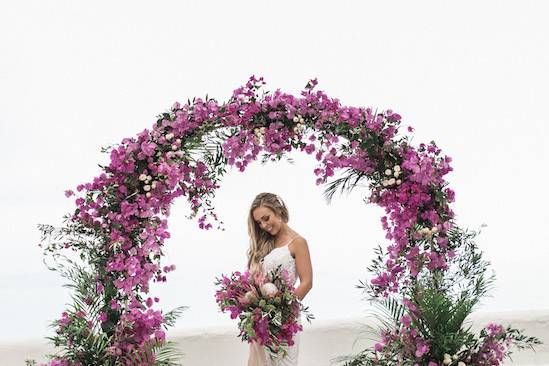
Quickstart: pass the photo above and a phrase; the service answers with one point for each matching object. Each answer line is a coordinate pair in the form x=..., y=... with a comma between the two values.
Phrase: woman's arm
x=303, y=267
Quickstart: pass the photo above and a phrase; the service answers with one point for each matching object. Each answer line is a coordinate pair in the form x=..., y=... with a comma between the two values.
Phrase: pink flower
x=235, y=311
x=159, y=334
x=310, y=148
x=248, y=298
x=421, y=349
x=99, y=287
x=406, y=320
x=259, y=278
x=65, y=320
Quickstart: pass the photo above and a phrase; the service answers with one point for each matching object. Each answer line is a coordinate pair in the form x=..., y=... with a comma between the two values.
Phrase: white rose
x=301, y=119
x=434, y=229
x=447, y=359
x=148, y=194
x=392, y=181
x=174, y=147
x=262, y=130
x=399, y=182
x=388, y=172
x=385, y=183
x=396, y=174
x=153, y=185
x=142, y=177
x=169, y=136
x=299, y=128
x=269, y=290
x=296, y=119
x=397, y=168
x=178, y=141
x=147, y=187
x=461, y=363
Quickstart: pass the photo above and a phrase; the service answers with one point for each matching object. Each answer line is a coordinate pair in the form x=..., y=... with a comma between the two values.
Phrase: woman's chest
x=277, y=257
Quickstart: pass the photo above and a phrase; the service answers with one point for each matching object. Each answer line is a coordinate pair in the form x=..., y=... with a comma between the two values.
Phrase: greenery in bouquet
x=266, y=305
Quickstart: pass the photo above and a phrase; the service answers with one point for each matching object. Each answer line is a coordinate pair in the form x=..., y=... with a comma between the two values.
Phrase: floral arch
x=119, y=226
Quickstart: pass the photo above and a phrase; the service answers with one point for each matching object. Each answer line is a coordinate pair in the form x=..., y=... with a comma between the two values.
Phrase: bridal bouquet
x=266, y=305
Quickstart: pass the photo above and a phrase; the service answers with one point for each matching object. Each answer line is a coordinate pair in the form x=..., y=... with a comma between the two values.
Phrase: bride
x=274, y=243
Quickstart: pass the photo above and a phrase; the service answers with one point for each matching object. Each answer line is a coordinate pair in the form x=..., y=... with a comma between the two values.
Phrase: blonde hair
x=261, y=242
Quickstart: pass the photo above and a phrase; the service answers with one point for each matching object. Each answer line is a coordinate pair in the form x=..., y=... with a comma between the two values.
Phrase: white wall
x=472, y=76
x=319, y=343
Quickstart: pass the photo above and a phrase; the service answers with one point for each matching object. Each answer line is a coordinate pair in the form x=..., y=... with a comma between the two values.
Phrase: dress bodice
x=281, y=256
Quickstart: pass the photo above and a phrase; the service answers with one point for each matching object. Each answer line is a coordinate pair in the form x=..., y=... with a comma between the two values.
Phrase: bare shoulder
x=298, y=245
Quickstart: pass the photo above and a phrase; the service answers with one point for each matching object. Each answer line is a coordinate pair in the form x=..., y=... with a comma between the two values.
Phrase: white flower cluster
x=148, y=185
x=300, y=126
x=259, y=135
x=394, y=174
x=244, y=99
x=449, y=359
x=428, y=233
x=116, y=246
x=176, y=145
x=172, y=154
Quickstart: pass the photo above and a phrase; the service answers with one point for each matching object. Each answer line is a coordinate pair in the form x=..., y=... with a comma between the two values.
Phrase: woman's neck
x=284, y=233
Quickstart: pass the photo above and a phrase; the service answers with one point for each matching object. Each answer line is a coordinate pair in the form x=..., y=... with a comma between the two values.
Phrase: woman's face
x=267, y=219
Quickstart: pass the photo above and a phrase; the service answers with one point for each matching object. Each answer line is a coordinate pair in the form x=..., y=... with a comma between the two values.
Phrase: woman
x=272, y=243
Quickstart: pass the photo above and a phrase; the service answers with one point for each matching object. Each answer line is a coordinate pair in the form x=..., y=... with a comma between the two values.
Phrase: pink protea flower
x=269, y=290
x=259, y=278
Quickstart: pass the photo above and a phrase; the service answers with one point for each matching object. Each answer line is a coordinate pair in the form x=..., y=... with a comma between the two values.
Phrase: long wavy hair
x=261, y=242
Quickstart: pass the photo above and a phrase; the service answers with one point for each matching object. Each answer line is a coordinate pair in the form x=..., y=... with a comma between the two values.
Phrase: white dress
x=282, y=256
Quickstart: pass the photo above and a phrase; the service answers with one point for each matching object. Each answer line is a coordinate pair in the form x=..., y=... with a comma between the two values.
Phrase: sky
x=76, y=76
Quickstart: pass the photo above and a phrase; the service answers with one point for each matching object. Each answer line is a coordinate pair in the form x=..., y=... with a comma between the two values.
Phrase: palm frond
x=169, y=355
x=157, y=353
x=346, y=183
x=171, y=316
